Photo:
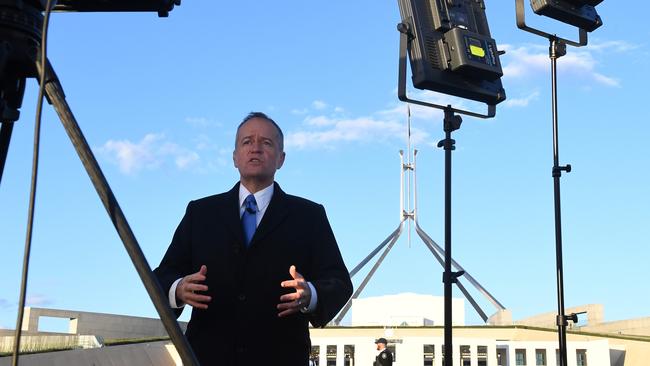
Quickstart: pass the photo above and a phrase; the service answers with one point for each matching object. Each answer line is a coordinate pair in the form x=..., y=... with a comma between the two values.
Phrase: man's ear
x=234, y=160
x=281, y=161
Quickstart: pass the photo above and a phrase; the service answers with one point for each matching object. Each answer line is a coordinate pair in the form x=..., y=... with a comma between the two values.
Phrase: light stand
x=20, y=55
x=451, y=123
x=557, y=49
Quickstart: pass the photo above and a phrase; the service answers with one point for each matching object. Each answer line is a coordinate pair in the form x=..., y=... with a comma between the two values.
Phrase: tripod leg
x=5, y=137
x=54, y=93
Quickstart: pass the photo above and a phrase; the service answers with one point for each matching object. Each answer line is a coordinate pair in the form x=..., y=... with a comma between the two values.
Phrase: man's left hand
x=292, y=303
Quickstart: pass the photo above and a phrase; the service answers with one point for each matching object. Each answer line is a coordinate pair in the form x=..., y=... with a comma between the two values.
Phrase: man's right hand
x=189, y=285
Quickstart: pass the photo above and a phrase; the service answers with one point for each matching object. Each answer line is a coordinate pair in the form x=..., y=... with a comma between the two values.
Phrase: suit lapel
x=230, y=215
x=274, y=215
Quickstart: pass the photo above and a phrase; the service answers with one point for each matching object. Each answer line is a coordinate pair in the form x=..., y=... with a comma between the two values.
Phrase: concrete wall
x=104, y=325
x=141, y=354
x=640, y=326
x=40, y=343
x=595, y=315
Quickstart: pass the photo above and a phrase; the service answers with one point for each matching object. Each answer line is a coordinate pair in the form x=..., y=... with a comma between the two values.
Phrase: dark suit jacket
x=241, y=326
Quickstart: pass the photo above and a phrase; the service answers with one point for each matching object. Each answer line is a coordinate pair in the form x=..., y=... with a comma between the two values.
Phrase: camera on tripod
x=452, y=51
x=579, y=13
x=162, y=7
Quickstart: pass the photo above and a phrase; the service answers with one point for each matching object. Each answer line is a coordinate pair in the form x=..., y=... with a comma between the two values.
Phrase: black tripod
x=451, y=123
x=557, y=49
x=20, y=56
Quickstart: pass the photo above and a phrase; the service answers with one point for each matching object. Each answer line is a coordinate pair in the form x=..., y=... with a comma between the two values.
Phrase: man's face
x=257, y=153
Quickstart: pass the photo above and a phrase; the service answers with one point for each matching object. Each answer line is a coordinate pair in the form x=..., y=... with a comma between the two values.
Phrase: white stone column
x=473, y=349
x=492, y=355
x=530, y=356
x=437, y=354
x=322, y=355
x=340, y=354
x=551, y=360
x=511, y=355
x=456, y=361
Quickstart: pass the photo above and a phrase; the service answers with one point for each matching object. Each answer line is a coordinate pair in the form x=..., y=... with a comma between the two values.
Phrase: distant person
x=384, y=357
x=256, y=264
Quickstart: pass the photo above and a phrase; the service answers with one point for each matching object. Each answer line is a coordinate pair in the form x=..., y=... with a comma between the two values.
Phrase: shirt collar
x=262, y=197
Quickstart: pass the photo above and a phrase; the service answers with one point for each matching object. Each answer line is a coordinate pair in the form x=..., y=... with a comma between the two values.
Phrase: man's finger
x=294, y=284
x=198, y=298
x=288, y=308
x=287, y=312
x=290, y=297
x=197, y=305
x=294, y=273
x=203, y=270
x=196, y=287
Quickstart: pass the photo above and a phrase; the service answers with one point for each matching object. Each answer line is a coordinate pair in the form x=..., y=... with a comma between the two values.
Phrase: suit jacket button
x=241, y=297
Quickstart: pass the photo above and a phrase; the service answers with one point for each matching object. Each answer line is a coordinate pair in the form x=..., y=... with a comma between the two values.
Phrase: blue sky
x=159, y=101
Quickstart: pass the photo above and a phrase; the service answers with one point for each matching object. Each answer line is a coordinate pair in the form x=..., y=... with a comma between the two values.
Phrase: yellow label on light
x=477, y=51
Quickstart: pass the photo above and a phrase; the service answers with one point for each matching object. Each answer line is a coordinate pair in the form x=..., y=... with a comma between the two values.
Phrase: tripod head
x=21, y=23
x=20, y=38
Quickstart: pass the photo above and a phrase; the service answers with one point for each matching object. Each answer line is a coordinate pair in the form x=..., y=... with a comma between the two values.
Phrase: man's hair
x=261, y=115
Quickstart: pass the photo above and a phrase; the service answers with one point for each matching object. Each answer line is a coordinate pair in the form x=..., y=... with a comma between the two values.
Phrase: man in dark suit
x=256, y=264
x=384, y=357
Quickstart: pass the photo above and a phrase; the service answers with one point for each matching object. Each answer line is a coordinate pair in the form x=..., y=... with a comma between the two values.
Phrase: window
x=442, y=351
x=540, y=357
x=502, y=356
x=314, y=355
x=581, y=357
x=482, y=355
x=331, y=355
x=465, y=356
x=520, y=357
x=348, y=352
x=429, y=352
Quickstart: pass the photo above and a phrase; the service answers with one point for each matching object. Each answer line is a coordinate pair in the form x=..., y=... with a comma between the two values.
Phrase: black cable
x=32, y=194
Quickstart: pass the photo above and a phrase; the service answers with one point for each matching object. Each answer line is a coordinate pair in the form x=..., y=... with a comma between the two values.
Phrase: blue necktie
x=249, y=218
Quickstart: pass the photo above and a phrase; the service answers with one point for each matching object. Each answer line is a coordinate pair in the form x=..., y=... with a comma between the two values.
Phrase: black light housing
x=451, y=49
x=579, y=13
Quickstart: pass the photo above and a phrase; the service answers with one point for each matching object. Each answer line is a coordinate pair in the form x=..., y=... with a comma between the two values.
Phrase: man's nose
x=256, y=146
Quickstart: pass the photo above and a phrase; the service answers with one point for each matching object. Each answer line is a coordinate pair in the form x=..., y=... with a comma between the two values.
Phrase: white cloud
x=533, y=60
x=326, y=131
x=607, y=80
x=344, y=130
x=299, y=112
x=149, y=153
x=615, y=46
x=37, y=300
x=319, y=105
x=521, y=102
